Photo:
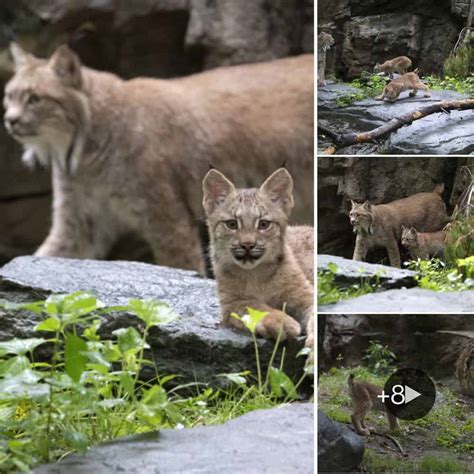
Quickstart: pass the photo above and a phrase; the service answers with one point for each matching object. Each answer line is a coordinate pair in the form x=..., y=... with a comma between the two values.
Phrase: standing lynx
x=408, y=81
x=325, y=41
x=258, y=261
x=401, y=64
x=128, y=156
x=381, y=225
x=424, y=244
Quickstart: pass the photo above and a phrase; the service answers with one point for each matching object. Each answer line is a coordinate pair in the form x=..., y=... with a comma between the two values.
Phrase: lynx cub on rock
x=408, y=81
x=259, y=262
x=364, y=398
x=129, y=156
x=325, y=41
x=401, y=64
x=381, y=225
x=424, y=244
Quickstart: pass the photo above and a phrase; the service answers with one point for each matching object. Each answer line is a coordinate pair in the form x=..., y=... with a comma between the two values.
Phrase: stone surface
x=436, y=134
x=195, y=346
x=156, y=38
x=412, y=300
x=379, y=180
x=339, y=448
x=428, y=341
x=351, y=271
x=280, y=440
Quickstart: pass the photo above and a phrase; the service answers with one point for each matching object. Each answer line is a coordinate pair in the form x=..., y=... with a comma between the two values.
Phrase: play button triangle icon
x=410, y=394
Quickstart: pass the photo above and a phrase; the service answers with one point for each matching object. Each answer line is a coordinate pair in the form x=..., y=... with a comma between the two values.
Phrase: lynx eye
x=231, y=224
x=33, y=99
x=263, y=224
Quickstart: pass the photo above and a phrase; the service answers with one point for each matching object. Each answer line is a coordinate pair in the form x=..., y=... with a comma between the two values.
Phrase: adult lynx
x=325, y=41
x=381, y=225
x=129, y=155
x=258, y=261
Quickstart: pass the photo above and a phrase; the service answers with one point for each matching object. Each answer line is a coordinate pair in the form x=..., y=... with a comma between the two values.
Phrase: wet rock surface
x=436, y=134
x=412, y=300
x=194, y=346
x=351, y=271
x=278, y=440
x=339, y=448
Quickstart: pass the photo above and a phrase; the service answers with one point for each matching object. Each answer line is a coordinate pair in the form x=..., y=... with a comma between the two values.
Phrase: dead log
x=346, y=139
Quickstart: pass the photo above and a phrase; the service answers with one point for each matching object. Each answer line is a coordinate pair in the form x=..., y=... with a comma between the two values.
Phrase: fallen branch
x=345, y=139
x=391, y=438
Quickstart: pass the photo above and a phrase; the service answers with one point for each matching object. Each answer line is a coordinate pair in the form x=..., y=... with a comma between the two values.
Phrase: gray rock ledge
x=280, y=440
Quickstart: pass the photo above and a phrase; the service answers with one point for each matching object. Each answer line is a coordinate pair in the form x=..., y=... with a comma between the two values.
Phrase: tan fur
x=424, y=244
x=408, y=81
x=381, y=225
x=129, y=156
x=325, y=41
x=364, y=398
x=401, y=64
x=267, y=269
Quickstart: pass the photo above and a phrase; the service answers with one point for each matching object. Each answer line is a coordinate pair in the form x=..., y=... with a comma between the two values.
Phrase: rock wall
x=157, y=38
x=379, y=180
x=370, y=31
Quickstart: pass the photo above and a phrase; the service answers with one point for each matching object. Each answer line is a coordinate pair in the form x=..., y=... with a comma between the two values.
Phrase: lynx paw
x=276, y=322
x=364, y=432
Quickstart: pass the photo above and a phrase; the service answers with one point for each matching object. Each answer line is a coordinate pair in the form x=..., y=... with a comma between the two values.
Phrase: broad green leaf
x=280, y=383
x=76, y=440
x=128, y=384
x=96, y=357
x=90, y=333
x=14, y=366
x=80, y=303
x=251, y=319
x=50, y=324
x=23, y=385
x=235, y=378
x=20, y=346
x=111, y=402
x=74, y=358
x=333, y=268
x=153, y=313
x=128, y=339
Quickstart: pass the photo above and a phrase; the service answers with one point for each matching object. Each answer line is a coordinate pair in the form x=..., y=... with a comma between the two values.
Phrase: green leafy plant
x=90, y=390
x=368, y=85
x=463, y=85
x=378, y=358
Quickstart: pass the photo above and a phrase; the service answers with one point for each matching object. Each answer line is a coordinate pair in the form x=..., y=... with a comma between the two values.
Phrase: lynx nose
x=11, y=120
x=247, y=246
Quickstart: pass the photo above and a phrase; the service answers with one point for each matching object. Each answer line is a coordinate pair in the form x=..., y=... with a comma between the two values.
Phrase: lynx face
x=247, y=226
x=325, y=41
x=361, y=217
x=42, y=101
x=409, y=237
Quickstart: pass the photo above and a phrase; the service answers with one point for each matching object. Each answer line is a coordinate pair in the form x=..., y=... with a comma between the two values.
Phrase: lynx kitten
x=408, y=81
x=364, y=398
x=258, y=261
x=381, y=225
x=401, y=64
x=423, y=244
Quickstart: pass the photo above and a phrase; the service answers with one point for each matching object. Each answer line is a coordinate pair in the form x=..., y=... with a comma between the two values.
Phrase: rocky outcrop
x=367, y=32
x=114, y=35
x=436, y=134
x=195, y=346
x=276, y=440
x=428, y=341
x=339, y=448
x=380, y=180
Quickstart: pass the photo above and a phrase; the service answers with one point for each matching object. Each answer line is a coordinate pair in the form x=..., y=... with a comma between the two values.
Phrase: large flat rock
x=280, y=440
x=352, y=271
x=436, y=134
x=195, y=346
x=412, y=300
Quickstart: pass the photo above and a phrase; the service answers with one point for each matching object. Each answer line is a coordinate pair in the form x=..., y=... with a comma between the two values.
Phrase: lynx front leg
x=360, y=250
x=413, y=92
x=426, y=89
x=357, y=418
x=392, y=422
x=394, y=254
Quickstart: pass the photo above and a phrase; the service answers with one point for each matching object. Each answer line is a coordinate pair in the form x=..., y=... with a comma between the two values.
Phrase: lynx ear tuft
x=67, y=66
x=216, y=188
x=19, y=55
x=367, y=205
x=279, y=188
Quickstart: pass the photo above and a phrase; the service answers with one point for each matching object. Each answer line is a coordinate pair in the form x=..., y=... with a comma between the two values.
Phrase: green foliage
x=90, y=391
x=463, y=85
x=330, y=291
x=461, y=64
x=436, y=275
x=460, y=238
x=368, y=85
x=379, y=359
